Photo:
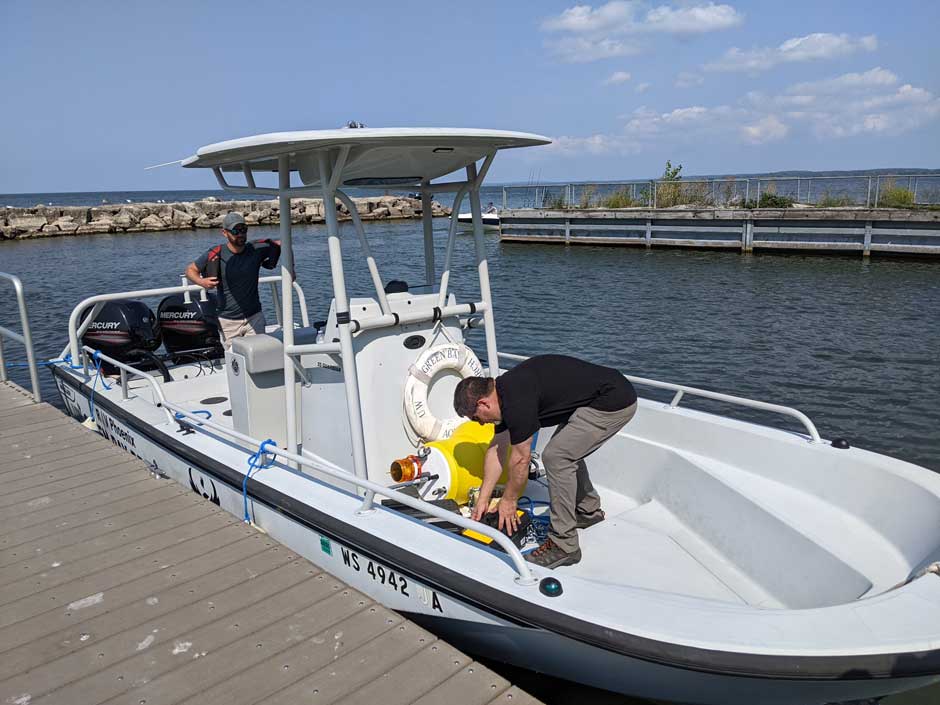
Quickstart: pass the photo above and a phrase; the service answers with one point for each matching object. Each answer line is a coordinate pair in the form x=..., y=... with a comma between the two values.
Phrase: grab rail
x=681, y=390
x=134, y=371
x=301, y=299
x=25, y=338
x=75, y=331
x=524, y=577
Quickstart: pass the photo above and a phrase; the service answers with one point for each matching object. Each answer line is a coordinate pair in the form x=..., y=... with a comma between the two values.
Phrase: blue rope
x=39, y=364
x=91, y=398
x=208, y=413
x=68, y=359
x=540, y=522
x=256, y=462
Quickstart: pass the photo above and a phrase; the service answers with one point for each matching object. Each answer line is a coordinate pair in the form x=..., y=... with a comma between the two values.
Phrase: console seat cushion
x=265, y=352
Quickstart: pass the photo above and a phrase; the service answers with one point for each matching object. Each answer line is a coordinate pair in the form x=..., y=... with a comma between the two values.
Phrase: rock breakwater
x=53, y=221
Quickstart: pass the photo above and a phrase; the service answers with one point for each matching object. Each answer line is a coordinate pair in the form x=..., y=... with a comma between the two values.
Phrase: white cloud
x=581, y=50
x=767, y=129
x=584, y=33
x=642, y=87
x=617, y=77
x=584, y=18
x=688, y=80
x=598, y=144
x=820, y=45
x=875, y=78
x=693, y=20
x=872, y=103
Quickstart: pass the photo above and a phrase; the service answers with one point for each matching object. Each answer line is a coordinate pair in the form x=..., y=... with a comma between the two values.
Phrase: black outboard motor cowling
x=192, y=327
x=126, y=331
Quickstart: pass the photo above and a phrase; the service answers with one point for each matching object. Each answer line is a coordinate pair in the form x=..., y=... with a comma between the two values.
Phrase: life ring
x=447, y=356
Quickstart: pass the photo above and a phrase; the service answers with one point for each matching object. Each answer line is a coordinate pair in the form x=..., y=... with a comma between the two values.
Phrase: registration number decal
x=385, y=576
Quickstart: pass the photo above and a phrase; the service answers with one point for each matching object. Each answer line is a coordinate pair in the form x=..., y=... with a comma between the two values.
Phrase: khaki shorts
x=237, y=327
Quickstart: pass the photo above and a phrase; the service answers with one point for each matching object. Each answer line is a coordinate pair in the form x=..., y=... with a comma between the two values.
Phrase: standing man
x=232, y=269
x=587, y=402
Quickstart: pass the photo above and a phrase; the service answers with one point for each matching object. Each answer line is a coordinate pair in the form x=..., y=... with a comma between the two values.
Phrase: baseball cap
x=231, y=220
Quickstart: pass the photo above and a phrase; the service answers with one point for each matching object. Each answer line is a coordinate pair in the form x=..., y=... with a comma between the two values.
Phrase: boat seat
x=265, y=352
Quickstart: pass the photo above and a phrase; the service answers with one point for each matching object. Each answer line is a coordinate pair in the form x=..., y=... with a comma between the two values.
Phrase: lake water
x=854, y=344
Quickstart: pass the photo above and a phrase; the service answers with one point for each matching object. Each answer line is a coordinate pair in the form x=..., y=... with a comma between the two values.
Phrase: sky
x=94, y=92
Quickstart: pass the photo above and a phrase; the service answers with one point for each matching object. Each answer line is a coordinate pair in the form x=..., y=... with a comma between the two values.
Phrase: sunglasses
x=239, y=229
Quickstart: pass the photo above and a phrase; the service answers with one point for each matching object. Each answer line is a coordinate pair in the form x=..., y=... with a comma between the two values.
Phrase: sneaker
x=549, y=555
x=586, y=520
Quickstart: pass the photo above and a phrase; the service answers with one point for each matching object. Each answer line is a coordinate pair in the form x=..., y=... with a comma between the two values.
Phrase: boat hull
x=490, y=221
x=465, y=623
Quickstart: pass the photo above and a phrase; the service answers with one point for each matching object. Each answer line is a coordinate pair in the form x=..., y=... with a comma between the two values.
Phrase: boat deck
x=117, y=586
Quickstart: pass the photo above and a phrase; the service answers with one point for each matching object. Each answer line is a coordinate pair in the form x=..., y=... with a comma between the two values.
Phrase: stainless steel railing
x=25, y=338
x=176, y=413
x=524, y=577
x=681, y=390
x=76, y=329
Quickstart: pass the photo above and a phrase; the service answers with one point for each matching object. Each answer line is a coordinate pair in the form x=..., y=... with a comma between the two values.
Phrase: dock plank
x=99, y=502
x=117, y=586
x=411, y=680
x=56, y=538
x=57, y=633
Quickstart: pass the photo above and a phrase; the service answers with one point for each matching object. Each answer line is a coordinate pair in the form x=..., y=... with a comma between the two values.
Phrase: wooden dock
x=117, y=586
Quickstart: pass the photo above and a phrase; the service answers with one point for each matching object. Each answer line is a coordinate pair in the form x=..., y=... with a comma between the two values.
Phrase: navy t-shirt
x=238, y=278
x=545, y=390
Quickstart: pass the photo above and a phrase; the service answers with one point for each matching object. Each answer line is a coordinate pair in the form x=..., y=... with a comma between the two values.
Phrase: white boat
x=739, y=563
x=490, y=220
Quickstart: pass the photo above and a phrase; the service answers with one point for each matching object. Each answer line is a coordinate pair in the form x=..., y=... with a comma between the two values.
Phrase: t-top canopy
x=377, y=156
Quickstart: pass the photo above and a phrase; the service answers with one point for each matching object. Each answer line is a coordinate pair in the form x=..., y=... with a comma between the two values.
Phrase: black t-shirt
x=238, y=279
x=545, y=390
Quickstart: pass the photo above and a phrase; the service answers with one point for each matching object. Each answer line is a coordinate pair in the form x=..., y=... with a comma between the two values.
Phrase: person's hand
x=507, y=515
x=209, y=282
x=480, y=508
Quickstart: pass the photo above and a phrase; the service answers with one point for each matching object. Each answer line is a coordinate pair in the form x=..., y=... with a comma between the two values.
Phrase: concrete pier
x=865, y=231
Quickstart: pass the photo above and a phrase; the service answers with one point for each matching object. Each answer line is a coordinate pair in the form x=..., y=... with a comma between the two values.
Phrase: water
x=855, y=344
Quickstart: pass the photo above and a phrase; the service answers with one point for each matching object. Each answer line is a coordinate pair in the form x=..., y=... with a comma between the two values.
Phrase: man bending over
x=588, y=403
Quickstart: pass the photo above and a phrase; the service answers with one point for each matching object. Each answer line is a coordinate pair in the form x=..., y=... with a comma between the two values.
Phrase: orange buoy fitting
x=406, y=469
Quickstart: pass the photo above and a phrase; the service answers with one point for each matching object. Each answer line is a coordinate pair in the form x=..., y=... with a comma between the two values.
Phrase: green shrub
x=829, y=201
x=772, y=200
x=621, y=199
x=892, y=196
x=587, y=197
x=669, y=190
x=555, y=202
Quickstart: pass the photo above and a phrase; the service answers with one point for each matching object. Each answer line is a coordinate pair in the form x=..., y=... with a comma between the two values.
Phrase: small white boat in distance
x=739, y=563
x=490, y=220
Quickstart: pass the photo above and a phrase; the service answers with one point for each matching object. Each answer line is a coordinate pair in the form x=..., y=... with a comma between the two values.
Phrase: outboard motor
x=126, y=331
x=190, y=330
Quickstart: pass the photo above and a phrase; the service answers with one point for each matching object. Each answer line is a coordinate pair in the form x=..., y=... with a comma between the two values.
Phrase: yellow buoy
x=458, y=460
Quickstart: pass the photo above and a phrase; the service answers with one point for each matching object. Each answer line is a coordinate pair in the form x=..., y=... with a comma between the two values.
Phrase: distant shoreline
x=57, y=221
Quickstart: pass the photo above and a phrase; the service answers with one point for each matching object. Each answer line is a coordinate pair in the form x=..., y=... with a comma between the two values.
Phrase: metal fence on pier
x=874, y=191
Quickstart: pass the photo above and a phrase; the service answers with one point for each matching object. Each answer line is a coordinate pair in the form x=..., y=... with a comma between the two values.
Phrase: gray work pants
x=569, y=487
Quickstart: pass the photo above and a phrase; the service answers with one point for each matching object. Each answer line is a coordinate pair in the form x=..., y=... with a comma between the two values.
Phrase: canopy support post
x=287, y=301
x=343, y=319
x=483, y=271
x=427, y=222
